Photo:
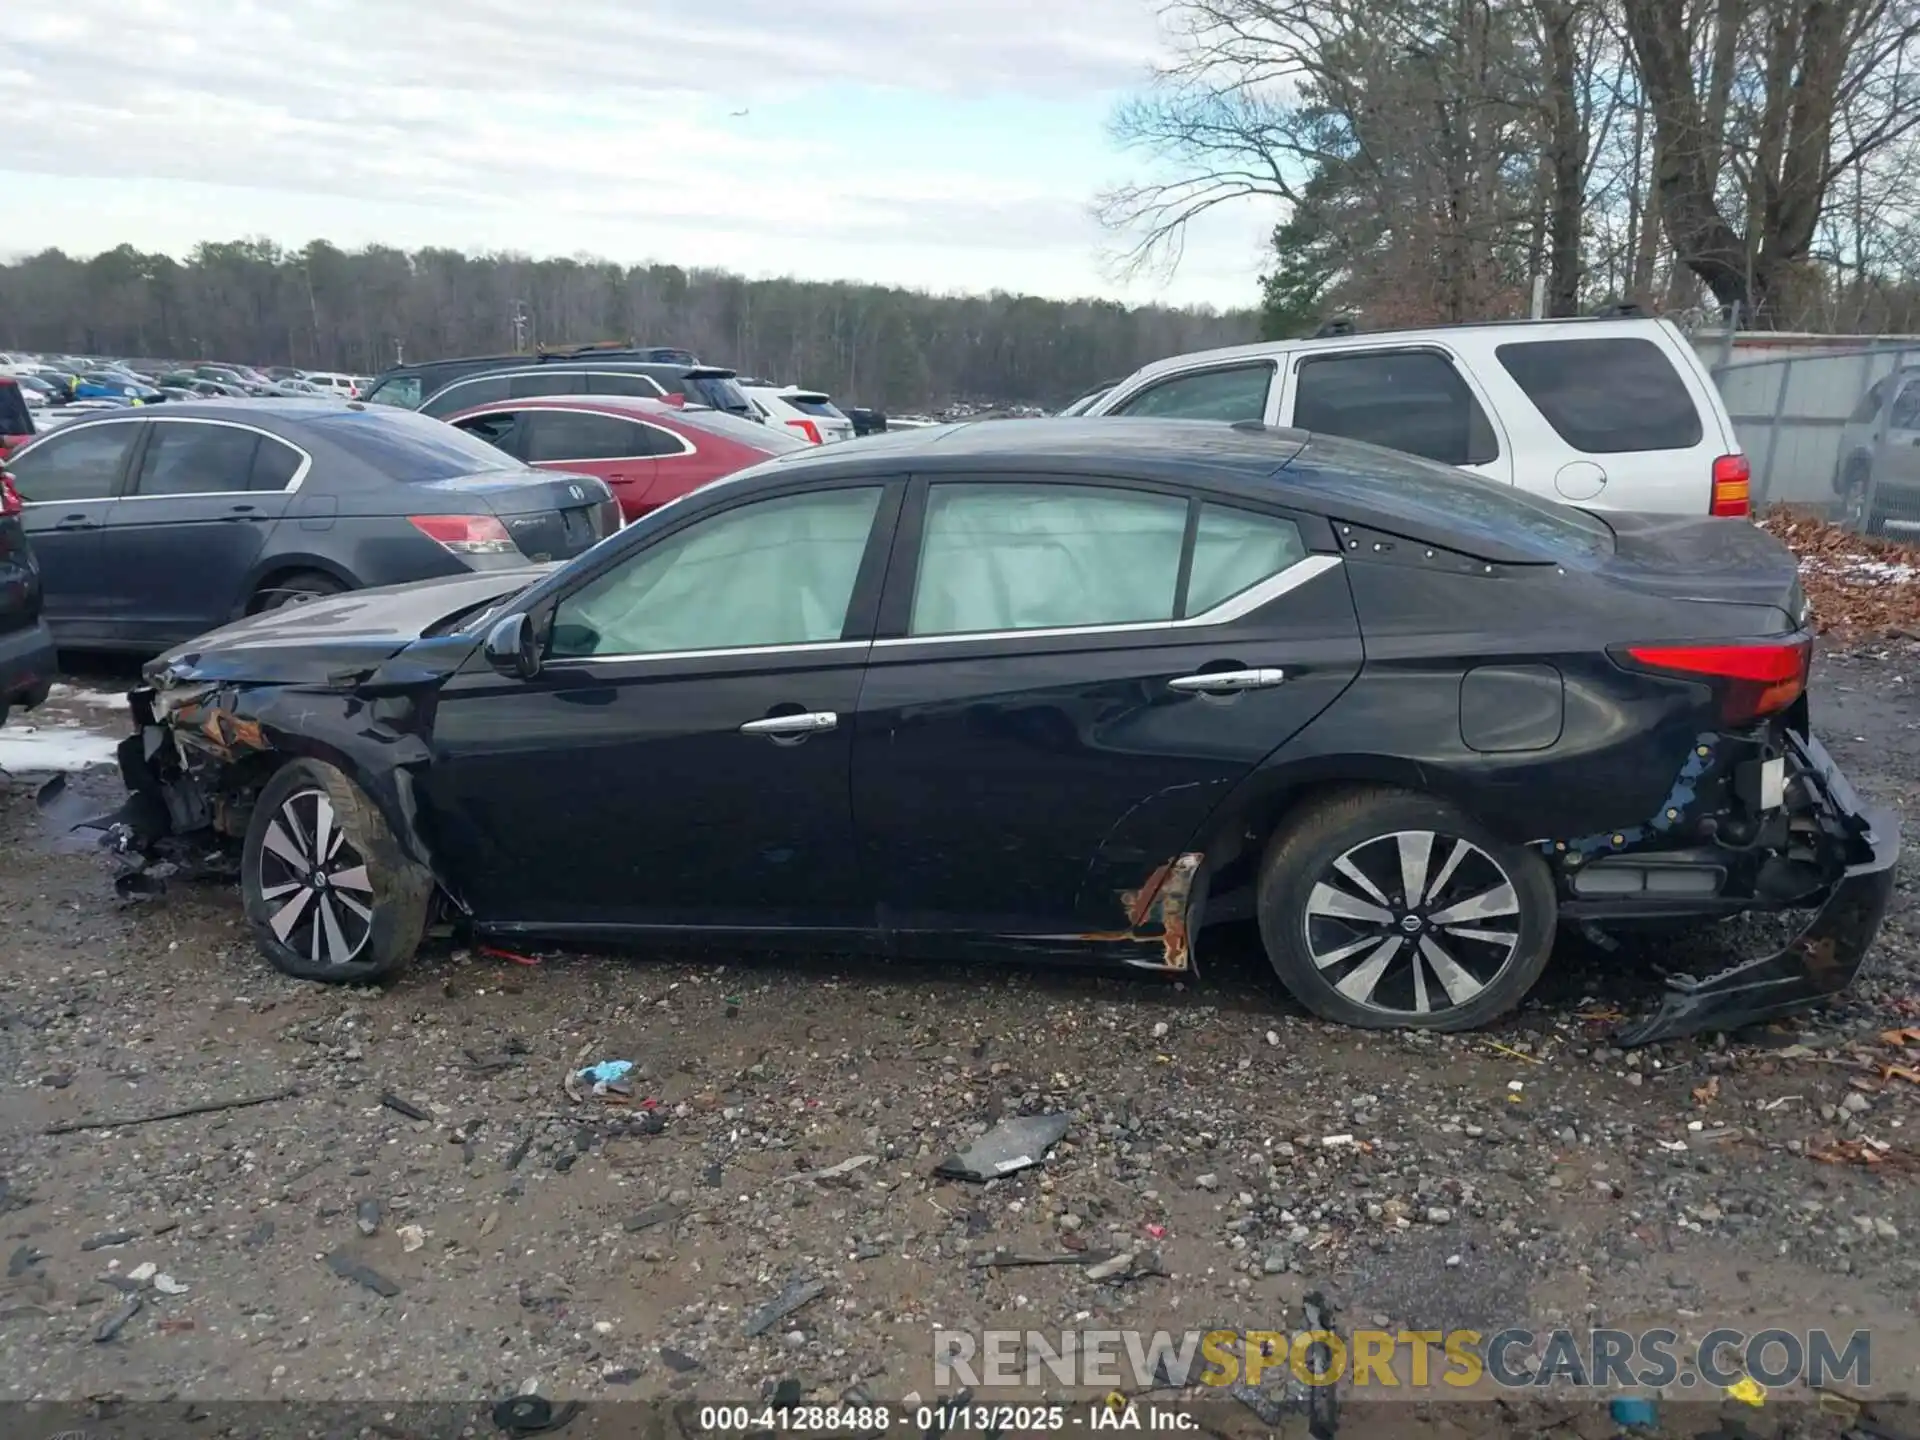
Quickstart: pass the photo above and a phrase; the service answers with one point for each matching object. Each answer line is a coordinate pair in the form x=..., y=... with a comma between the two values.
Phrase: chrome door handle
x=1227, y=681
x=811, y=723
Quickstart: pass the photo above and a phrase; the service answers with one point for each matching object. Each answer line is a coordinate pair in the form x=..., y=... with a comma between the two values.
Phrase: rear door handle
x=74, y=522
x=1226, y=682
x=812, y=722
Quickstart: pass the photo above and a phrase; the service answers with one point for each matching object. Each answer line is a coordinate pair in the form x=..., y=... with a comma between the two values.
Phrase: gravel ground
x=1526, y=1175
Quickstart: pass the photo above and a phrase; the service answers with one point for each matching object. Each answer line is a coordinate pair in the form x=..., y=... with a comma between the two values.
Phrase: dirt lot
x=1528, y=1176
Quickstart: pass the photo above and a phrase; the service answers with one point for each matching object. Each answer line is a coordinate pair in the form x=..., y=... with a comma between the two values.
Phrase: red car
x=648, y=451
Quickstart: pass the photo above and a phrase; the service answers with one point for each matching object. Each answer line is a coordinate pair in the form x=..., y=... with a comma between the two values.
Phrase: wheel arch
x=272, y=569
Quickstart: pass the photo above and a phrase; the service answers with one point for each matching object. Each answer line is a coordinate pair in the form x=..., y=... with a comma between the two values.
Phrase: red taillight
x=9, y=497
x=1732, y=487
x=806, y=428
x=466, y=534
x=1756, y=680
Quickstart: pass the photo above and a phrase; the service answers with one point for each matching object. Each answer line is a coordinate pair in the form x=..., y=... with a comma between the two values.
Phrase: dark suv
x=442, y=387
x=26, y=649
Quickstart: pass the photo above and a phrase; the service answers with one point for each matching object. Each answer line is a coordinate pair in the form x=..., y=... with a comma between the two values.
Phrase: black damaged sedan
x=1053, y=688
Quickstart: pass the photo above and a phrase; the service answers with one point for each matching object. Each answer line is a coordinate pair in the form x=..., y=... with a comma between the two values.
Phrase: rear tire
x=328, y=892
x=295, y=589
x=1351, y=940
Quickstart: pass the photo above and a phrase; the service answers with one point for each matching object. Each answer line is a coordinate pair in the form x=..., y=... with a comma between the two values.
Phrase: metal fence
x=1837, y=431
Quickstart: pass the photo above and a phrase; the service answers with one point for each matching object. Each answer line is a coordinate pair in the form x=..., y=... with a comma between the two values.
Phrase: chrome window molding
x=74, y=427
x=520, y=407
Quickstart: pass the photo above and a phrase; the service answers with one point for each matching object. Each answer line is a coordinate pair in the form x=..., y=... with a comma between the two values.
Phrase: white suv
x=1613, y=413
x=811, y=412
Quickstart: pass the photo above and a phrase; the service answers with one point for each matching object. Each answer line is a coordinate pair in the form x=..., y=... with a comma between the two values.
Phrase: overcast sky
x=946, y=144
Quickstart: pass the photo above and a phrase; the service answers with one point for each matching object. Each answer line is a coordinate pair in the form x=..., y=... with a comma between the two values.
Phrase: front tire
x=1856, y=506
x=1390, y=909
x=329, y=894
x=295, y=589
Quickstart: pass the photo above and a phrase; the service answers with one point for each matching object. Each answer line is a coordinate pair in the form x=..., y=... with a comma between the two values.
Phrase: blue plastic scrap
x=607, y=1072
x=1633, y=1413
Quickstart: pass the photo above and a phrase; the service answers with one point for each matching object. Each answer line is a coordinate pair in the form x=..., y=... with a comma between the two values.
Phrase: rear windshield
x=721, y=392
x=1608, y=395
x=814, y=405
x=1442, y=498
x=768, y=439
x=407, y=447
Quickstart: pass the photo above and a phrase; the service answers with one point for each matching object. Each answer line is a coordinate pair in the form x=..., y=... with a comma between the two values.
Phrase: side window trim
x=523, y=372
x=1274, y=364
x=134, y=453
x=139, y=455
x=903, y=565
x=862, y=605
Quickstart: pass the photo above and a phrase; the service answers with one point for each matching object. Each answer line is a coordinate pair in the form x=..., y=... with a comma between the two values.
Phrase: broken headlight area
x=1759, y=823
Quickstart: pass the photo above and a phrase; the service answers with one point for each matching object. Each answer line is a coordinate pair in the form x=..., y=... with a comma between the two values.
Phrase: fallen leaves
x=1871, y=1153
x=1706, y=1094
x=1859, y=585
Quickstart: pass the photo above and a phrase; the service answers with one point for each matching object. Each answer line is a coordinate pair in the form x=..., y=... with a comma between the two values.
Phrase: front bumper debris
x=1825, y=957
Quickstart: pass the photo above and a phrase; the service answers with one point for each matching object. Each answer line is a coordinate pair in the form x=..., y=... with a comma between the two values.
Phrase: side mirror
x=512, y=648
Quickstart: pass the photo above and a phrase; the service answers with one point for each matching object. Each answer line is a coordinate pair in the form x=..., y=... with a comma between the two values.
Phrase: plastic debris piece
x=116, y=1322
x=367, y=1216
x=831, y=1172
x=1633, y=1412
x=1748, y=1391
x=1009, y=1146
x=348, y=1268
x=412, y=1237
x=532, y=1414
x=494, y=952
x=403, y=1107
x=167, y=1285
x=143, y=1272
x=790, y=1299
x=109, y=1239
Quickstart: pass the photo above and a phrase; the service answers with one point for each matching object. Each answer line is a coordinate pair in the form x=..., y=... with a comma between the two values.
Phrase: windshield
x=1448, y=499
x=407, y=447
x=402, y=391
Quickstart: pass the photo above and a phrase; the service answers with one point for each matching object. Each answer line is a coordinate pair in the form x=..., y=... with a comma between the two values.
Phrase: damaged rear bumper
x=1825, y=957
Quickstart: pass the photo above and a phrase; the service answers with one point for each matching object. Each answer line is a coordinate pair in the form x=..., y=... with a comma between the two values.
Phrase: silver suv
x=1877, y=474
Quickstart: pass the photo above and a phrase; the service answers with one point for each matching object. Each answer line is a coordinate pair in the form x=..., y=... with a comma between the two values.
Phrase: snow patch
x=64, y=747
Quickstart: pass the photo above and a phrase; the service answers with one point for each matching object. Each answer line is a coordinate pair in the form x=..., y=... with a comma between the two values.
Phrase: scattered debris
x=532, y=1414
x=1009, y=1146
x=833, y=1172
x=167, y=1285
x=519, y=1151
x=116, y=1322
x=1008, y=1259
x=1119, y=1264
x=108, y=1239
x=71, y=1127
x=143, y=1272
x=348, y=1268
x=1748, y=1391
x=412, y=1237
x=486, y=1226
x=1706, y=1094
x=1865, y=1152
x=403, y=1107
x=796, y=1294
x=663, y=1213
x=259, y=1235
x=1633, y=1413
x=678, y=1361
x=366, y=1215
x=494, y=952
x=23, y=1260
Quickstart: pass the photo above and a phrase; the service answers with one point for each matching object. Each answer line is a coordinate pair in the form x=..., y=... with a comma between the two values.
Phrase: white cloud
x=598, y=125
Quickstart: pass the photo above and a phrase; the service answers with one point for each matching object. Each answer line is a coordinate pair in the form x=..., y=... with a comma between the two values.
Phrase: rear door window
x=1237, y=393
x=607, y=382
x=464, y=394
x=14, y=419
x=185, y=457
x=1408, y=400
x=1609, y=395
x=79, y=464
x=1234, y=550
x=553, y=436
x=275, y=464
x=548, y=382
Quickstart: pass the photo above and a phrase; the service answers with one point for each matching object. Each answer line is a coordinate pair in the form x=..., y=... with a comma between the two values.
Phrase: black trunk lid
x=1700, y=558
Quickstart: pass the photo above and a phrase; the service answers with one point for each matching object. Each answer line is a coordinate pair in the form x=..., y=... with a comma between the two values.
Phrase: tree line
x=1431, y=160
x=326, y=308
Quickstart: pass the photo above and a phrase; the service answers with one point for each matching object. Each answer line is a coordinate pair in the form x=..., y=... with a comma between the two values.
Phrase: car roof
x=1268, y=349
x=645, y=406
x=285, y=409
x=1244, y=460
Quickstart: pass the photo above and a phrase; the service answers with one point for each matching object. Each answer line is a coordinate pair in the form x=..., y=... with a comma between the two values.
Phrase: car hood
x=336, y=639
